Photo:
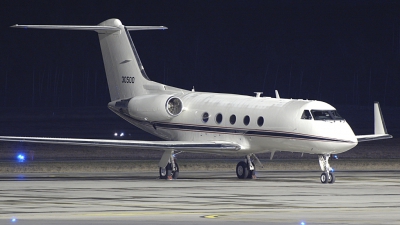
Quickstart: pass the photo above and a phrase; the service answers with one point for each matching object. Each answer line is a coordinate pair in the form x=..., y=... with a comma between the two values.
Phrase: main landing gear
x=171, y=170
x=246, y=169
x=327, y=175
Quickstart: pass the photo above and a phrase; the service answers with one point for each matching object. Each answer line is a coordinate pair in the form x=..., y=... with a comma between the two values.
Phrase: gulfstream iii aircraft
x=213, y=123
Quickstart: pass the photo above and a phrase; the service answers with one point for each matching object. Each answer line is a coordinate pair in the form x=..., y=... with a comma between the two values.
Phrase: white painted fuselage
x=279, y=129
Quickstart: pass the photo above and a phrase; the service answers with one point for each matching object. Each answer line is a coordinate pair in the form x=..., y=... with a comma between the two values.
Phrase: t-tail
x=125, y=73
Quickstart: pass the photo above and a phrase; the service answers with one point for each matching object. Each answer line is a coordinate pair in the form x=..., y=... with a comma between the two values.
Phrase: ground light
x=21, y=158
x=122, y=134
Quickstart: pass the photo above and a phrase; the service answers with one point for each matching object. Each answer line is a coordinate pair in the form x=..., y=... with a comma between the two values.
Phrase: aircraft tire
x=324, y=178
x=331, y=178
x=163, y=172
x=241, y=170
x=175, y=174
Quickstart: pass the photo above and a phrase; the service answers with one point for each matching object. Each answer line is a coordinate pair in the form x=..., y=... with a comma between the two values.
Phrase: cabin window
x=306, y=115
x=206, y=116
x=218, y=118
x=246, y=120
x=260, y=121
x=326, y=115
x=232, y=119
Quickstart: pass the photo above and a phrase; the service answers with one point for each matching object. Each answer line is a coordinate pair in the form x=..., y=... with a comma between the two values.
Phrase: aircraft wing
x=188, y=146
x=373, y=137
x=379, y=127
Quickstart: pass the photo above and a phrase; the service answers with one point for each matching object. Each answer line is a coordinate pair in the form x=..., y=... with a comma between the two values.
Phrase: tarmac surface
x=276, y=197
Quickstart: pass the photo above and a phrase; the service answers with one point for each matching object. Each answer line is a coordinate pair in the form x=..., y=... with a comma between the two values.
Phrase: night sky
x=341, y=52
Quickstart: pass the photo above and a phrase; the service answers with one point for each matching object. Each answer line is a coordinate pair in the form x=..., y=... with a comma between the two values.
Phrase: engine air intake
x=174, y=106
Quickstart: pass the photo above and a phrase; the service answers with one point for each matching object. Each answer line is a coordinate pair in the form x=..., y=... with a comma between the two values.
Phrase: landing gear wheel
x=327, y=176
x=242, y=171
x=175, y=174
x=324, y=178
x=332, y=178
x=163, y=173
x=167, y=173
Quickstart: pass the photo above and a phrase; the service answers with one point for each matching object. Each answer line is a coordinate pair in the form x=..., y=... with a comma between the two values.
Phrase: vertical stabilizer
x=124, y=70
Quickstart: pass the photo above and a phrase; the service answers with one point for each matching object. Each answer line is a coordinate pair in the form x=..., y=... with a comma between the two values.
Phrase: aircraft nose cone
x=346, y=135
x=339, y=132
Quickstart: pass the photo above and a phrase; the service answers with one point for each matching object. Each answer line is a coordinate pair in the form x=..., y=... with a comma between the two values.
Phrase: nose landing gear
x=327, y=176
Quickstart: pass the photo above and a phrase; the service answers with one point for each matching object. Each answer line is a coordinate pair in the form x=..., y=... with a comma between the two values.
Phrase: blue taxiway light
x=302, y=223
x=21, y=158
x=13, y=220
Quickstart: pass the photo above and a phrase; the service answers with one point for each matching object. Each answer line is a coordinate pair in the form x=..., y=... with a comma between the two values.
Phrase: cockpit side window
x=336, y=115
x=306, y=115
x=326, y=115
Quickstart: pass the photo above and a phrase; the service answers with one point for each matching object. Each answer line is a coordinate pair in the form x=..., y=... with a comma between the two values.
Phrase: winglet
x=380, y=131
x=277, y=94
x=379, y=122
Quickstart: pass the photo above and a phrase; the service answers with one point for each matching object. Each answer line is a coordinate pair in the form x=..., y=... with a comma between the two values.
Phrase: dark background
x=53, y=83
x=346, y=53
x=341, y=52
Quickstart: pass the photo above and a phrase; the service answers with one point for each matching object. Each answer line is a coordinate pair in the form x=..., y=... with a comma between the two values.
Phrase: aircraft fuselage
x=257, y=124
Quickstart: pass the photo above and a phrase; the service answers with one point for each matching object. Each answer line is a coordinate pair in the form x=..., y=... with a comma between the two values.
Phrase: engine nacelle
x=155, y=107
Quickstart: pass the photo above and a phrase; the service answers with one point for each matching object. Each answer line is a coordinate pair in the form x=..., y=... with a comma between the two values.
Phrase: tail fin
x=125, y=73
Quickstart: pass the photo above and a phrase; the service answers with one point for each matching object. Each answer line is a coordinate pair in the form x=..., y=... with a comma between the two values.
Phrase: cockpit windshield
x=326, y=115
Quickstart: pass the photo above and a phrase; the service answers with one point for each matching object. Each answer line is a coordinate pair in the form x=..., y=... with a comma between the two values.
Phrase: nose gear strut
x=327, y=175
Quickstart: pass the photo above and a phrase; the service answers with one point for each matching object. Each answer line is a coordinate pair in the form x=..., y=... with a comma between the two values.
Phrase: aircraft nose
x=340, y=133
x=348, y=133
x=346, y=136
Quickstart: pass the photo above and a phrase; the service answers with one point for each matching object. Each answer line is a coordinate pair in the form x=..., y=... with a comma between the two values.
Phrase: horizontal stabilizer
x=92, y=28
x=380, y=131
x=206, y=146
x=145, y=28
x=67, y=27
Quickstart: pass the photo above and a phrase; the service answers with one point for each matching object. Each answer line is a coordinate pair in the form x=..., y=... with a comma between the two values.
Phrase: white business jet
x=213, y=123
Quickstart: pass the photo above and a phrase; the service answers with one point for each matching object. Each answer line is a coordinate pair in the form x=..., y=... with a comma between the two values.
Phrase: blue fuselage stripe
x=262, y=133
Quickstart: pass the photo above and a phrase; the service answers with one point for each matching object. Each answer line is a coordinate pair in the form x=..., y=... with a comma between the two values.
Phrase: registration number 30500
x=128, y=80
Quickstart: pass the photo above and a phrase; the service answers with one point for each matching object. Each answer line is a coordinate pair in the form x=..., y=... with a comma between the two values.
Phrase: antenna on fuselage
x=277, y=94
x=258, y=94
